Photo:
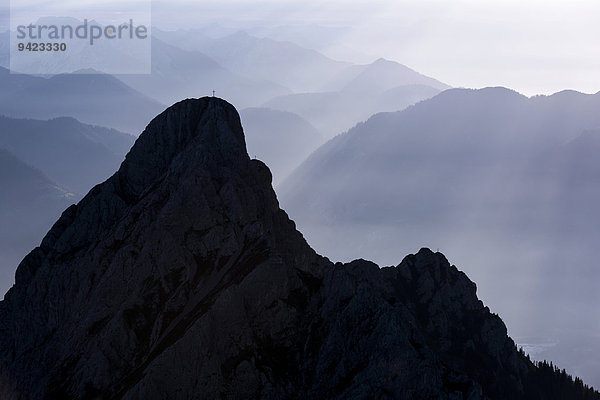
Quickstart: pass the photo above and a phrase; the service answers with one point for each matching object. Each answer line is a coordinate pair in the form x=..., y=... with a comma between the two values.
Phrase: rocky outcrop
x=181, y=278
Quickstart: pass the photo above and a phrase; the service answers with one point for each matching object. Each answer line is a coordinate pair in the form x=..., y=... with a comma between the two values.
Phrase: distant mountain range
x=485, y=169
x=45, y=167
x=249, y=71
x=332, y=95
x=180, y=277
x=178, y=74
x=29, y=204
x=505, y=183
x=89, y=96
x=494, y=137
x=75, y=155
x=358, y=92
x=331, y=41
x=279, y=138
x=287, y=64
x=380, y=76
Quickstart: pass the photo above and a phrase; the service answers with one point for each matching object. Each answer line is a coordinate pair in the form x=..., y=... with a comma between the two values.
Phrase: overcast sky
x=532, y=46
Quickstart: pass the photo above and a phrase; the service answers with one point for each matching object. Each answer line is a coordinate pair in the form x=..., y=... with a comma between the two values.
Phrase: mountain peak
x=384, y=74
x=193, y=124
x=384, y=61
x=181, y=275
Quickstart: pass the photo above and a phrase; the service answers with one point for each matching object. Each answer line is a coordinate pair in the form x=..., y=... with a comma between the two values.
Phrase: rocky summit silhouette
x=181, y=278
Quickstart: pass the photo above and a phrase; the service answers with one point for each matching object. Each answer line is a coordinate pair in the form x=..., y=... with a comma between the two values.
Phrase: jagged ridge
x=179, y=277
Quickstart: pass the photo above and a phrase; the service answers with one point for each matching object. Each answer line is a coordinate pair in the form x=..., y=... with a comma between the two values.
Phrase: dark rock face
x=180, y=278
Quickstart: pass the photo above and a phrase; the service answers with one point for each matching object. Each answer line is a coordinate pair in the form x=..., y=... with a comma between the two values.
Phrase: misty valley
x=157, y=230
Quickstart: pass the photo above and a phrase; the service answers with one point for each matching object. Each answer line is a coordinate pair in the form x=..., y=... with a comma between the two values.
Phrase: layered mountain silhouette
x=47, y=166
x=29, y=204
x=181, y=277
x=281, y=139
x=490, y=169
x=178, y=73
x=357, y=92
x=332, y=41
x=251, y=71
x=291, y=66
x=89, y=96
x=76, y=156
x=510, y=161
x=331, y=95
x=379, y=76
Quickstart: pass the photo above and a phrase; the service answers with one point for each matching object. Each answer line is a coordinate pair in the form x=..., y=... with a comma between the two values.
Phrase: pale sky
x=532, y=46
